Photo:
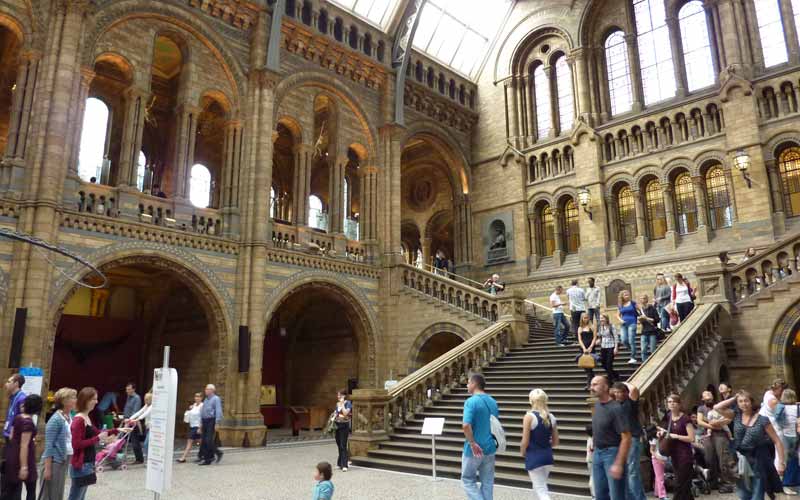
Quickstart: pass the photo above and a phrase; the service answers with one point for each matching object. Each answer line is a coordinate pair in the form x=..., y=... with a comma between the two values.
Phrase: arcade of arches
x=221, y=162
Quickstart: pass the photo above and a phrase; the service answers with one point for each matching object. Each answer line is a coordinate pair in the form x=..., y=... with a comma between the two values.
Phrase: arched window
x=770, y=31
x=566, y=106
x=696, y=45
x=272, y=202
x=796, y=12
x=541, y=85
x=547, y=231
x=686, y=204
x=141, y=165
x=200, y=186
x=618, y=71
x=655, y=56
x=790, y=181
x=315, y=212
x=719, y=201
x=93, y=139
x=654, y=208
x=626, y=212
x=572, y=235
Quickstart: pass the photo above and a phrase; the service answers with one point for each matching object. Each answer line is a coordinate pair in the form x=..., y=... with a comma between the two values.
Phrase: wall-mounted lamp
x=742, y=162
x=585, y=199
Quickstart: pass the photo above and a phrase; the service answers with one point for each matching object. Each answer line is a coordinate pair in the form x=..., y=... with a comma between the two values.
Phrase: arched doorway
x=316, y=343
x=108, y=337
x=10, y=45
x=793, y=355
x=435, y=346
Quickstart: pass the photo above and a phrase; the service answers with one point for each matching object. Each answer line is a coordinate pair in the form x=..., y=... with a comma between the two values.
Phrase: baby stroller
x=110, y=455
x=700, y=482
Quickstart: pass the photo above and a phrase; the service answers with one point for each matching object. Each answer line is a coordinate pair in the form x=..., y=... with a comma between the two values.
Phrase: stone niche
x=498, y=238
x=613, y=289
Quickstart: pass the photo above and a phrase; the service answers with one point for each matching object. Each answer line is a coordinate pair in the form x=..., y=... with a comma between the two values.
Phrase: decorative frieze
x=439, y=108
x=237, y=13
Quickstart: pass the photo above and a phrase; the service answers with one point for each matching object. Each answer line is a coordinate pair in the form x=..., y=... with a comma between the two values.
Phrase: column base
x=672, y=240
x=642, y=243
x=244, y=433
x=779, y=223
x=558, y=257
x=704, y=233
x=613, y=249
x=533, y=263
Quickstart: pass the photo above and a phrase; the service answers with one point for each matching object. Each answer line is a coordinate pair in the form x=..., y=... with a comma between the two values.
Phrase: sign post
x=433, y=426
x=162, y=429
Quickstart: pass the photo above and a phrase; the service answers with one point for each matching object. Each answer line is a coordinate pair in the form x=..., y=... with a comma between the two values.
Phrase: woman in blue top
x=539, y=437
x=58, y=445
x=627, y=316
x=323, y=488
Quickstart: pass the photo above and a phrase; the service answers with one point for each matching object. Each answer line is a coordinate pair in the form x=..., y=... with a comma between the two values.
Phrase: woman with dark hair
x=58, y=445
x=682, y=296
x=758, y=445
x=20, y=453
x=609, y=344
x=676, y=435
x=85, y=437
x=344, y=409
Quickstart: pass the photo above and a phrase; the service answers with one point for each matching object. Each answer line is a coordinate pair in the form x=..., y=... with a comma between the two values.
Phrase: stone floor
x=286, y=474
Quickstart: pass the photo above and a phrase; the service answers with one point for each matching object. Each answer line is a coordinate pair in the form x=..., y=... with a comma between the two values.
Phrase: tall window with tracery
x=547, y=233
x=315, y=215
x=93, y=139
x=541, y=86
x=141, y=165
x=655, y=57
x=626, y=212
x=566, y=105
x=696, y=45
x=200, y=186
x=572, y=235
x=789, y=166
x=618, y=71
x=654, y=209
x=719, y=200
x=770, y=32
x=686, y=204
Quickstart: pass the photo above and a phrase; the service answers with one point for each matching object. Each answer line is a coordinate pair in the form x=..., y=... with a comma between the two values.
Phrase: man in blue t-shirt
x=477, y=461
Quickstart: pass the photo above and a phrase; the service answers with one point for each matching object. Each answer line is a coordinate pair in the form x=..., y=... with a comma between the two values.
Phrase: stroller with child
x=701, y=484
x=110, y=455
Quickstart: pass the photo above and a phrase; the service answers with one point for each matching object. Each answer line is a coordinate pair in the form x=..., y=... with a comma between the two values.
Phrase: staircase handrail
x=773, y=264
x=451, y=276
x=672, y=365
x=767, y=252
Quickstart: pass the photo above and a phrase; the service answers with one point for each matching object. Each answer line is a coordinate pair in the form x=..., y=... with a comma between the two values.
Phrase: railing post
x=512, y=311
x=371, y=420
x=714, y=284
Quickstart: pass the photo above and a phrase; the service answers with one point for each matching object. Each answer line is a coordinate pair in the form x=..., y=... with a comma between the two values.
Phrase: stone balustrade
x=464, y=297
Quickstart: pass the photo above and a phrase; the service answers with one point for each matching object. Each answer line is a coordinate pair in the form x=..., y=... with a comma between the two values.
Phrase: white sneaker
x=344, y=469
x=789, y=491
x=632, y=361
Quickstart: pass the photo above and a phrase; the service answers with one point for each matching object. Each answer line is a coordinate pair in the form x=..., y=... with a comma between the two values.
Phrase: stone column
x=703, y=228
x=669, y=211
x=604, y=99
x=738, y=28
x=463, y=233
x=776, y=193
x=27, y=74
x=389, y=192
x=558, y=234
x=336, y=186
x=677, y=56
x=714, y=38
x=184, y=151
x=642, y=240
x=613, y=226
x=135, y=103
x=530, y=89
x=230, y=183
x=636, y=71
x=369, y=204
x=580, y=77
x=513, y=112
x=512, y=311
x=534, y=258
x=301, y=183
x=555, y=123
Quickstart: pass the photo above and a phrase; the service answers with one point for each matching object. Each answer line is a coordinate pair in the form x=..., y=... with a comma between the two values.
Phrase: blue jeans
x=560, y=327
x=474, y=469
x=756, y=491
x=634, y=490
x=648, y=345
x=664, y=315
x=76, y=492
x=628, y=336
x=594, y=314
x=605, y=486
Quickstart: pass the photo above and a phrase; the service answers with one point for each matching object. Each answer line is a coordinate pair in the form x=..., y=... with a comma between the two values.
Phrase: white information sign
x=432, y=426
x=33, y=383
x=162, y=430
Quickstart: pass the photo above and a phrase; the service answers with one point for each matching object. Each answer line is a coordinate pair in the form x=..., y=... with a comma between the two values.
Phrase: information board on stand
x=162, y=428
x=433, y=426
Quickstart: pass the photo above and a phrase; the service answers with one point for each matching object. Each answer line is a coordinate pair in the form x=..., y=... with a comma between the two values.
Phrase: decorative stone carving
x=439, y=108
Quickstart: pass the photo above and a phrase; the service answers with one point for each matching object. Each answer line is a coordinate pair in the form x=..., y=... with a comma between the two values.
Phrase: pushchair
x=110, y=455
x=700, y=480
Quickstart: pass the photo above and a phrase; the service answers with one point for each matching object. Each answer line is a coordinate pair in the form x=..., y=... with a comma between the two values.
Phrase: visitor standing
x=560, y=324
x=539, y=437
x=58, y=444
x=611, y=437
x=478, y=457
x=662, y=296
x=132, y=405
x=577, y=305
x=716, y=443
x=659, y=462
x=771, y=403
x=627, y=395
x=192, y=417
x=609, y=346
x=676, y=434
x=210, y=416
x=16, y=397
x=141, y=420
x=493, y=285
x=682, y=296
x=627, y=314
x=20, y=452
x=344, y=410
x=756, y=441
x=587, y=339
x=85, y=438
x=593, y=302
x=788, y=433
x=648, y=317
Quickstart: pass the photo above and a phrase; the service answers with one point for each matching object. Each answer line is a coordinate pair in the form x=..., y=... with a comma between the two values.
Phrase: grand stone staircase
x=539, y=363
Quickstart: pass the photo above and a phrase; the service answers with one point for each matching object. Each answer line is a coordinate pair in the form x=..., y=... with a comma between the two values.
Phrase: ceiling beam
x=401, y=53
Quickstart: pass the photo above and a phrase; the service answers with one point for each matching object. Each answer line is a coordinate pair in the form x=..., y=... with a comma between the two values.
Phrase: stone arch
x=119, y=12
x=779, y=142
x=537, y=199
x=219, y=96
x=676, y=167
x=350, y=293
x=218, y=315
x=788, y=324
x=294, y=127
x=447, y=146
x=616, y=182
x=544, y=21
x=323, y=80
x=118, y=60
x=10, y=19
x=565, y=192
x=646, y=172
x=431, y=220
x=427, y=334
x=702, y=161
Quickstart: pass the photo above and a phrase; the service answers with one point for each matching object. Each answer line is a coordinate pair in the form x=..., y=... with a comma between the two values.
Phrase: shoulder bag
x=496, y=429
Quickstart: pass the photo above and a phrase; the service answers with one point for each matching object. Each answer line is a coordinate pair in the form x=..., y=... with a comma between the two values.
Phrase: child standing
x=659, y=462
x=323, y=490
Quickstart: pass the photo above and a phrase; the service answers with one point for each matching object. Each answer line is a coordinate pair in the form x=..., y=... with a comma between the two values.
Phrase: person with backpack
x=539, y=437
x=683, y=296
x=484, y=437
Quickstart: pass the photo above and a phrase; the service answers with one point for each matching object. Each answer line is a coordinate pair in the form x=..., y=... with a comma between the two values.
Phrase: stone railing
x=376, y=412
x=322, y=263
x=676, y=362
x=464, y=297
x=777, y=97
x=308, y=240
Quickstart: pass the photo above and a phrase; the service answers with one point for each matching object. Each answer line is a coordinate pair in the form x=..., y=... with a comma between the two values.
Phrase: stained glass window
x=686, y=204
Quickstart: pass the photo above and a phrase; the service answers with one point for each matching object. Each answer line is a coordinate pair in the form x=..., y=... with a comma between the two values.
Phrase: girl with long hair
x=609, y=345
x=587, y=338
x=682, y=296
x=539, y=437
x=627, y=314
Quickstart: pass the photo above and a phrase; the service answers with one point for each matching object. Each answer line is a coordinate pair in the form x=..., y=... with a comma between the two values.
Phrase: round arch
x=782, y=336
x=363, y=316
x=447, y=147
x=10, y=21
x=293, y=126
x=426, y=335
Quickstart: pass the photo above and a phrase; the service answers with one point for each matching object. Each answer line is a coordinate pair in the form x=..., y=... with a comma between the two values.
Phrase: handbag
x=586, y=361
x=330, y=427
x=497, y=431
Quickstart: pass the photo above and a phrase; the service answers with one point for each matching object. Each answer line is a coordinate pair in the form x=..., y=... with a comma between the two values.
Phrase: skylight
x=376, y=11
x=459, y=33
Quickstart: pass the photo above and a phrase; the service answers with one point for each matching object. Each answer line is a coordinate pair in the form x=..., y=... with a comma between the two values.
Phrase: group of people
x=73, y=442
x=648, y=318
